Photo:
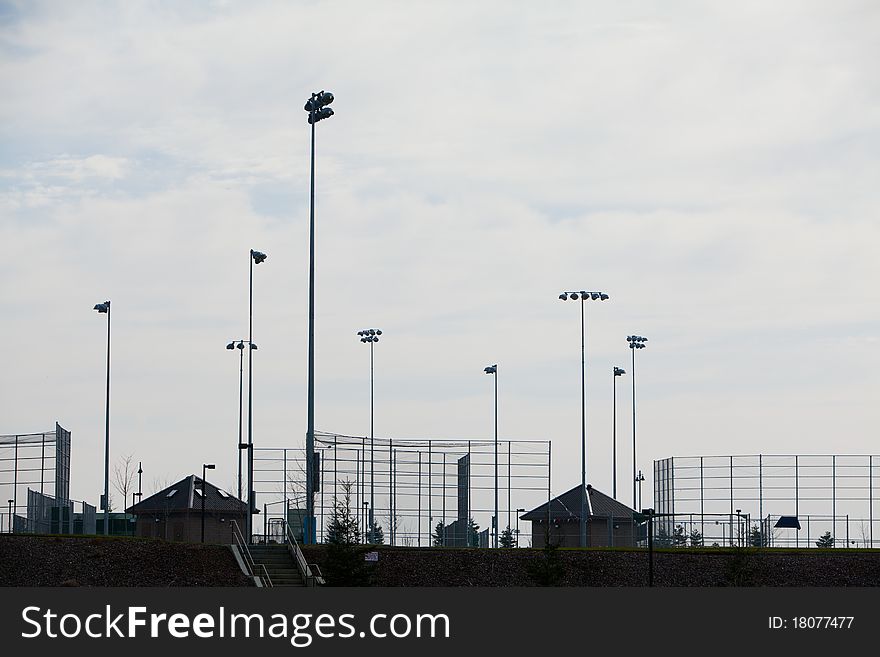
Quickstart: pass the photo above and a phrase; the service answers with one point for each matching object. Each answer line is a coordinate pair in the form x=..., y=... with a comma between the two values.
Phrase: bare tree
x=124, y=476
x=158, y=484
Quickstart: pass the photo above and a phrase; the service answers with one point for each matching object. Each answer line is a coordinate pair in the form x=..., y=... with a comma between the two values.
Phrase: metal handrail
x=246, y=554
x=305, y=568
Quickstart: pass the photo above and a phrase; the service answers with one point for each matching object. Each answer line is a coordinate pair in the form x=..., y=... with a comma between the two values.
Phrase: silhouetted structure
x=609, y=523
x=175, y=513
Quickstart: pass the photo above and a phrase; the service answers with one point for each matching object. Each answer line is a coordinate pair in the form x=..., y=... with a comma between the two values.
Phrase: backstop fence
x=424, y=491
x=767, y=500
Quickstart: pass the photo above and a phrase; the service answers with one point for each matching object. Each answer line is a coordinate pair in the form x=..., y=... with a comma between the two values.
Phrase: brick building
x=175, y=513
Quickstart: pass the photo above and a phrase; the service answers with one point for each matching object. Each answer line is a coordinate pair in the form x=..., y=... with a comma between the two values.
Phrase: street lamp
x=618, y=371
x=205, y=466
x=518, y=511
x=371, y=337
x=583, y=296
x=139, y=493
x=256, y=257
x=105, y=308
x=638, y=480
x=317, y=108
x=635, y=342
x=493, y=370
x=241, y=446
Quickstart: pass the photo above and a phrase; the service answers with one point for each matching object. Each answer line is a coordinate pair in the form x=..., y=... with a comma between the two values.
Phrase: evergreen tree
x=506, y=539
x=377, y=536
x=679, y=538
x=547, y=569
x=473, y=533
x=661, y=537
x=826, y=540
x=757, y=538
x=345, y=557
x=696, y=538
x=437, y=536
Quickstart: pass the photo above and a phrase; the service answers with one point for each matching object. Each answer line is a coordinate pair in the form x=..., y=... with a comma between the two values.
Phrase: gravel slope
x=98, y=561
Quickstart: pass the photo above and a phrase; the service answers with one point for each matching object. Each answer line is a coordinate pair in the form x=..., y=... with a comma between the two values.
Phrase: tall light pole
x=583, y=296
x=371, y=337
x=205, y=466
x=317, y=108
x=635, y=342
x=618, y=371
x=255, y=258
x=105, y=308
x=241, y=445
x=493, y=370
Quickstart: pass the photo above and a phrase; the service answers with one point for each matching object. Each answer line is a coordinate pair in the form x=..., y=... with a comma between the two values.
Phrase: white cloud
x=710, y=166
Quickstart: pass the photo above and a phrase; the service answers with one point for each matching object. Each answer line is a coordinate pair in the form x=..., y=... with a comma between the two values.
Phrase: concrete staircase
x=279, y=564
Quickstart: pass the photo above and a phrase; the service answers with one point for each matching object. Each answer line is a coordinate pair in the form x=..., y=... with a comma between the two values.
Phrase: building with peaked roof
x=175, y=513
x=610, y=523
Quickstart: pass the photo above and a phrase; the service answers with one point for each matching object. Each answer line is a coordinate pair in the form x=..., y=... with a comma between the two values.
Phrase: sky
x=711, y=166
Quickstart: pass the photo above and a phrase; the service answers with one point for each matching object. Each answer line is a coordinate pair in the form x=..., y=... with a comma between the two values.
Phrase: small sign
x=371, y=556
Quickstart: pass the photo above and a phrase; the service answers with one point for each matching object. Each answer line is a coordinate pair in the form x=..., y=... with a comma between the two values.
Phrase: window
x=198, y=491
x=222, y=493
x=171, y=494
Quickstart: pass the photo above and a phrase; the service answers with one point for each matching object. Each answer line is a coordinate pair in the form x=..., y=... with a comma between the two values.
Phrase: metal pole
x=614, y=435
x=430, y=492
x=444, y=499
x=508, y=485
x=203, y=503
x=250, y=464
x=634, y=422
x=310, y=431
x=650, y=549
x=583, y=519
x=796, y=496
x=372, y=480
x=833, y=496
x=107, y=438
x=871, y=499
x=495, y=517
x=240, y=407
x=419, y=514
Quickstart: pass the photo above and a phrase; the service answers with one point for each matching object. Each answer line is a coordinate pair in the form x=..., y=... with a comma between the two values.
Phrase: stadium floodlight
x=105, y=308
x=635, y=342
x=256, y=257
x=317, y=107
x=493, y=370
x=371, y=336
x=583, y=296
x=618, y=371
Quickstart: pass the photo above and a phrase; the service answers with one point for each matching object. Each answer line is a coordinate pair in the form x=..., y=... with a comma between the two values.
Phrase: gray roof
x=568, y=505
x=187, y=498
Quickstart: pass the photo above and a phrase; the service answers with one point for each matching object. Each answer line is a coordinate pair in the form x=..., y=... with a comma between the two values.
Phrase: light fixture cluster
x=258, y=256
x=317, y=108
x=636, y=341
x=619, y=371
x=240, y=345
x=584, y=296
x=370, y=335
x=491, y=369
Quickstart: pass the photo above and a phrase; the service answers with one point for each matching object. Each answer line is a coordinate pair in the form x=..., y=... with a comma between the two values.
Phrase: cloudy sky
x=712, y=166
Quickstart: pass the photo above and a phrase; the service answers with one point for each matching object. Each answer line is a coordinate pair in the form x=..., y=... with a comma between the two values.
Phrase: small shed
x=175, y=512
x=610, y=523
